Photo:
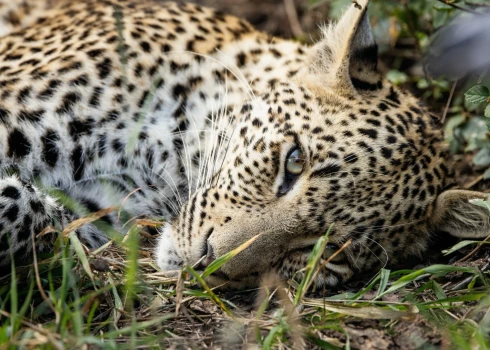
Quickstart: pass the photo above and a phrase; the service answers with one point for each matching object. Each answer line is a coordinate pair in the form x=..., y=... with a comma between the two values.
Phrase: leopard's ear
x=347, y=56
x=453, y=213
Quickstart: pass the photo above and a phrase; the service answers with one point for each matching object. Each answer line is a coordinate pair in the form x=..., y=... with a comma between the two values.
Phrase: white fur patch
x=166, y=255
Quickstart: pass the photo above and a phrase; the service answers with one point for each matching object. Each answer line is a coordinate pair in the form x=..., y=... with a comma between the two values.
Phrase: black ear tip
x=357, y=5
x=360, y=5
x=351, y=52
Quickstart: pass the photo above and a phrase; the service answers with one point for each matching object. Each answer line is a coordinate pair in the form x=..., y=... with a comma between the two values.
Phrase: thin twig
x=38, y=279
x=337, y=252
x=453, y=5
x=473, y=183
x=482, y=75
x=477, y=4
x=124, y=201
x=413, y=33
x=30, y=325
x=293, y=18
x=323, y=265
x=451, y=93
x=467, y=256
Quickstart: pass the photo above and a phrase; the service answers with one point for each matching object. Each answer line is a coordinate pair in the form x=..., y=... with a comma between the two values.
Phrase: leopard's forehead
x=378, y=123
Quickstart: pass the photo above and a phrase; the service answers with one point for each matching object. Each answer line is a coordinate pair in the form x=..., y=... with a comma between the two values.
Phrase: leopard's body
x=183, y=113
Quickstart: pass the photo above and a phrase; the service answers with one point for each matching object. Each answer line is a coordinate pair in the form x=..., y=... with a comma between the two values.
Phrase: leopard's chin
x=166, y=256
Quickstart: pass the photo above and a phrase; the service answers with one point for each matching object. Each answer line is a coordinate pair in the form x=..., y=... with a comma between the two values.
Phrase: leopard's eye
x=295, y=162
x=294, y=166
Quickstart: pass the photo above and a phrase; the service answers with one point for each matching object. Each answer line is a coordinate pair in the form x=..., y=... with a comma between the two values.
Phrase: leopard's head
x=335, y=146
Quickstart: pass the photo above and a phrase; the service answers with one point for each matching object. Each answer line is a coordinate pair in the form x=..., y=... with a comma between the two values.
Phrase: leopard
x=241, y=142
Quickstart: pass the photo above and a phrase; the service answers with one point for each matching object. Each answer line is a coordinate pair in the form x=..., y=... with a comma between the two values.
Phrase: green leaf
x=458, y=298
x=396, y=77
x=422, y=84
x=460, y=245
x=486, y=174
x=471, y=285
x=118, y=304
x=477, y=94
x=481, y=203
x=441, y=16
x=363, y=311
x=473, y=132
x=139, y=326
x=487, y=111
x=482, y=158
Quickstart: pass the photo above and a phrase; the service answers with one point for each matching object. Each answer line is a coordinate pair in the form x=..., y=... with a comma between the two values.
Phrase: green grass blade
x=313, y=261
x=138, y=326
x=438, y=291
x=460, y=245
x=118, y=304
x=459, y=298
x=90, y=317
x=273, y=334
x=220, y=261
x=211, y=294
x=384, y=277
x=28, y=298
x=439, y=270
x=14, y=322
x=77, y=246
x=322, y=344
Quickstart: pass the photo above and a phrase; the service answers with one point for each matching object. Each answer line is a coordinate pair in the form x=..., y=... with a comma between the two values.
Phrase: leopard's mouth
x=331, y=253
x=207, y=252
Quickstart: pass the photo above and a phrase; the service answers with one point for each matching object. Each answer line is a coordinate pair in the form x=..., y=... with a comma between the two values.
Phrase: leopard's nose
x=210, y=257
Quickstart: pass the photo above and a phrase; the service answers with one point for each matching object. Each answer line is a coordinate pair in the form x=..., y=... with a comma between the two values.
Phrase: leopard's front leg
x=24, y=211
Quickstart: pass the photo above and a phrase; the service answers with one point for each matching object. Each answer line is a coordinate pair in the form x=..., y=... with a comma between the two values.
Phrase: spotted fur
x=183, y=113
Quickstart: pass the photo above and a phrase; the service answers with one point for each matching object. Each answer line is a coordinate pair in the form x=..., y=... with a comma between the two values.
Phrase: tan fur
x=331, y=59
x=226, y=107
x=453, y=213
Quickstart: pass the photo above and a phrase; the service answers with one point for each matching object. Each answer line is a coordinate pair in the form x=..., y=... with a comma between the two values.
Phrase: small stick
x=448, y=3
x=451, y=93
x=473, y=251
x=293, y=18
x=38, y=279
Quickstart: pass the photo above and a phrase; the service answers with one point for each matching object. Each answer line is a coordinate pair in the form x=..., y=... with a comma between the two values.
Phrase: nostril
x=209, y=256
